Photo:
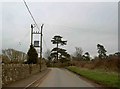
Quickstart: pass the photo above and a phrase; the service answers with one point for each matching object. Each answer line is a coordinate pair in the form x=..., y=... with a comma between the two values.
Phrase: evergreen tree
x=57, y=40
x=86, y=56
x=32, y=55
x=59, y=53
x=101, y=51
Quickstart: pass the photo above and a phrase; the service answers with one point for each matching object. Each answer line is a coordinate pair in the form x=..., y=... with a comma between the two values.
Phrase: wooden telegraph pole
x=41, y=48
x=31, y=34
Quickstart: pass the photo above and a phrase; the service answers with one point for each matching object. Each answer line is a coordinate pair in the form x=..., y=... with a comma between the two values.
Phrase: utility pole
x=31, y=34
x=41, y=48
x=36, y=43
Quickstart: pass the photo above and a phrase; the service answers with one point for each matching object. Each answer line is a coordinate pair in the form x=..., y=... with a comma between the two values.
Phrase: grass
x=104, y=78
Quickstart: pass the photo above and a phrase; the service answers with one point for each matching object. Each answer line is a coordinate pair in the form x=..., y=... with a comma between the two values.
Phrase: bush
x=32, y=55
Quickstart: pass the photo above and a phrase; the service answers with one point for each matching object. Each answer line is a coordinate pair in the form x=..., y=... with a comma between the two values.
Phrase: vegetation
x=57, y=40
x=47, y=54
x=48, y=58
x=105, y=71
x=57, y=53
x=86, y=56
x=111, y=63
x=13, y=56
x=32, y=55
x=101, y=51
x=107, y=79
x=78, y=53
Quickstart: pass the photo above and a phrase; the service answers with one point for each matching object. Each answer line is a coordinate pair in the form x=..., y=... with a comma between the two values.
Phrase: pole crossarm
x=36, y=33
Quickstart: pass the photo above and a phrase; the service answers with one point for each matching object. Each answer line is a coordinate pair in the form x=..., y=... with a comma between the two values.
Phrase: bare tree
x=47, y=54
x=78, y=53
x=13, y=55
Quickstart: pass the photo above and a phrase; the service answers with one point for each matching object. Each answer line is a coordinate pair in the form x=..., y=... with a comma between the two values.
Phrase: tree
x=13, y=56
x=48, y=57
x=57, y=40
x=117, y=54
x=5, y=59
x=78, y=53
x=86, y=56
x=101, y=51
x=64, y=56
x=32, y=55
x=47, y=54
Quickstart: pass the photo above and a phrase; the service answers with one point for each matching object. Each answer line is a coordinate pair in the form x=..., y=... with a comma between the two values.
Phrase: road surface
x=63, y=78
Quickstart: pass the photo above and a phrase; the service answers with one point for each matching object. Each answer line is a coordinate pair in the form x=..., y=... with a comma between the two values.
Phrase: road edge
x=41, y=77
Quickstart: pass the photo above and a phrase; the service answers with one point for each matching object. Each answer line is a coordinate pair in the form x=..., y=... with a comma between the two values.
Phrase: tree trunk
x=57, y=52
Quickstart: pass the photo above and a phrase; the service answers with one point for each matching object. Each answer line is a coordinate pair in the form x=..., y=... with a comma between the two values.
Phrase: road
x=63, y=78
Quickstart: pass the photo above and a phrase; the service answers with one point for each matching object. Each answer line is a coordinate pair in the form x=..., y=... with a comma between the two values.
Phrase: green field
x=104, y=78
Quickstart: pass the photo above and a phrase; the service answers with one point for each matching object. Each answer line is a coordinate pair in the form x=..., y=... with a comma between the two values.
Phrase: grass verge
x=104, y=78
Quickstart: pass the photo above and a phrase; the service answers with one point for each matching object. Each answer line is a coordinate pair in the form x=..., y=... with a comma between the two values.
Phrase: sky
x=82, y=24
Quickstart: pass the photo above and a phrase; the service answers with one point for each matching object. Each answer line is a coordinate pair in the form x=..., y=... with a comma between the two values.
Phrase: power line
x=34, y=21
x=31, y=14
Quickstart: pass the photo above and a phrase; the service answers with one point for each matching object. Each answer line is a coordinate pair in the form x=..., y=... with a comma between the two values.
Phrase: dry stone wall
x=14, y=72
x=0, y=76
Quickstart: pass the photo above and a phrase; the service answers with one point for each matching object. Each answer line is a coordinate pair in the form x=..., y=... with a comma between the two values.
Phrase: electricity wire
x=34, y=20
x=31, y=14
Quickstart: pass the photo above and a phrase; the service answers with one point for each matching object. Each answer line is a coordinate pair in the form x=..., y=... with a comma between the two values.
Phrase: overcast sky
x=82, y=24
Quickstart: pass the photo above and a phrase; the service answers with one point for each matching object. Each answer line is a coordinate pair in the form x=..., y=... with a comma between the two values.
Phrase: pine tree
x=59, y=53
x=101, y=51
x=58, y=40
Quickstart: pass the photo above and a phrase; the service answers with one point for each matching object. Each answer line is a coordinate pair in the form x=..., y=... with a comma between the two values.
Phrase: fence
x=14, y=72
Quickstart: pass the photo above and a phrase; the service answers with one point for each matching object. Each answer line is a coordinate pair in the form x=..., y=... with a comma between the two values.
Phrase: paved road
x=63, y=78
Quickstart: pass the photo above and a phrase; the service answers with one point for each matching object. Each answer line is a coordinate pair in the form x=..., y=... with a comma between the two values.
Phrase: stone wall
x=14, y=72
x=0, y=76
